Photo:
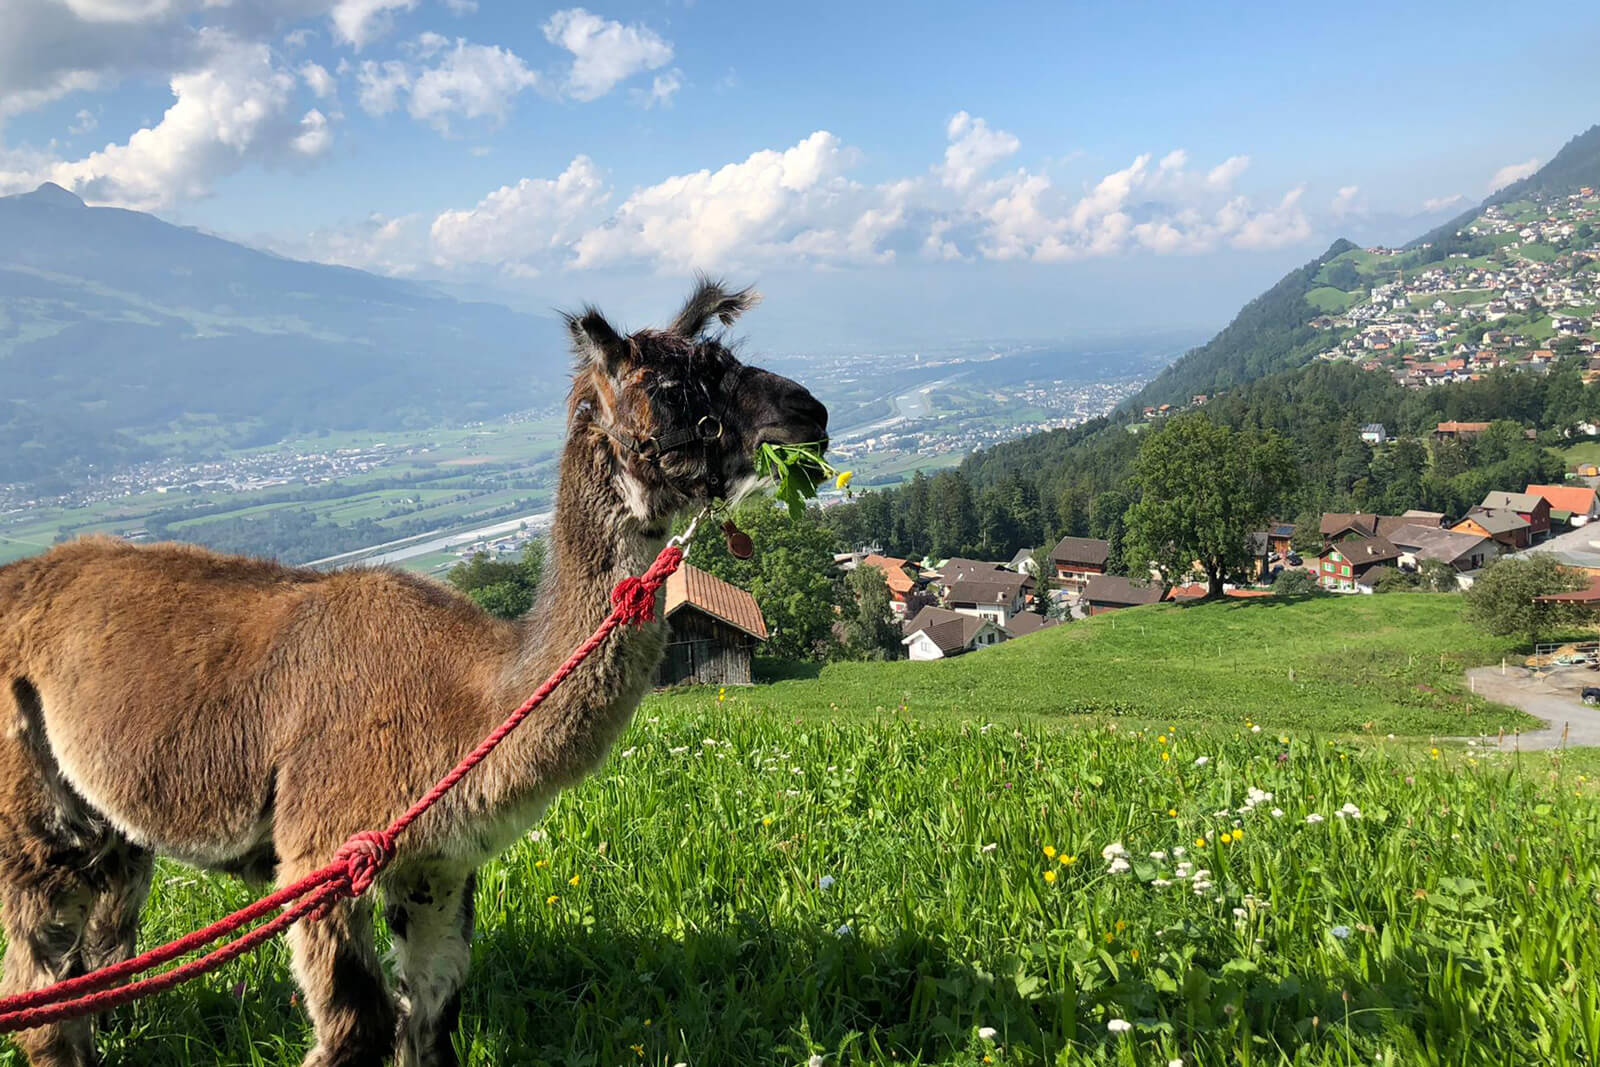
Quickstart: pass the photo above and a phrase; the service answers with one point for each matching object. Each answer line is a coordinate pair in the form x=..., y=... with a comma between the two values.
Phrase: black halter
x=706, y=431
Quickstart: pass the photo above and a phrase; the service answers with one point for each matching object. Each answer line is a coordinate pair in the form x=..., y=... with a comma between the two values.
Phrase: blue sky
x=920, y=169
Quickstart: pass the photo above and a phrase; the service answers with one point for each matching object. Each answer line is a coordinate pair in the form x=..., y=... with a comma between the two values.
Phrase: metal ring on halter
x=688, y=531
x=700, y=428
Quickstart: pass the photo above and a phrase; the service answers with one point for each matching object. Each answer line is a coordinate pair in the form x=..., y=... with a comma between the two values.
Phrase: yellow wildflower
x=1049, y=852
x=573, y=880
x=1165, y=756
x=1172, y=812
x=1199, y=842
x=767, y=821
x=1133, y=954
x=843, y=480
x=551, y=899
x=541, y=864
x=1068, y=861
x=1119, y=926
x=638, y=1050
x=1050, y=876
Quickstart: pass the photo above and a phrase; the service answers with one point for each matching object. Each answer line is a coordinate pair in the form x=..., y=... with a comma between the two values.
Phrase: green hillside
x=1337, y=664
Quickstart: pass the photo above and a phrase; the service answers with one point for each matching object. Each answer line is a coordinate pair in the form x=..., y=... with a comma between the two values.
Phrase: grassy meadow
x=1212, y=862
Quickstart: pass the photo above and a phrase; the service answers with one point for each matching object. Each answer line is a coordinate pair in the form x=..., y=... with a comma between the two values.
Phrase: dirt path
x=1555, y=699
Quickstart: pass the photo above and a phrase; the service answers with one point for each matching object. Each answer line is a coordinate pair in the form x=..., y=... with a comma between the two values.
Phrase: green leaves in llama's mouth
x=798, y=471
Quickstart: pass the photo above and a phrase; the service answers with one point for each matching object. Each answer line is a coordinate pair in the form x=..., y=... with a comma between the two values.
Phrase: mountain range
x=102, y=310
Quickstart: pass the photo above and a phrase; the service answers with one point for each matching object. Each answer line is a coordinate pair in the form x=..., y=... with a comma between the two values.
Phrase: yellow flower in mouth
x=843, y=481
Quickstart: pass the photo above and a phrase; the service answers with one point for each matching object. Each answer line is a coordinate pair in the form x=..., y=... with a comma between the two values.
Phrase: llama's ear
x=712, y=300
x=595, y=341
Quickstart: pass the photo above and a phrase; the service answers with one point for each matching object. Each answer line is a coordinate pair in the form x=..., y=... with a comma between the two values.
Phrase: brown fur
x=245, y=716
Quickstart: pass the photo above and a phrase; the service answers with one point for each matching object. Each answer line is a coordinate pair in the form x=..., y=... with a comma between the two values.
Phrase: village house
x=1506, y=527
x=1532, y=507
x=1579, y=501
x=1280, y=538
x=1374, y=433
x=1450, y=430
x=998, y=598
x=1108, y=592
x=900, y=574
x=1077, y=560
x=1344, y=565
x=713, y=628
x=1461, y=551
x=1028, y=622
x=937, y=633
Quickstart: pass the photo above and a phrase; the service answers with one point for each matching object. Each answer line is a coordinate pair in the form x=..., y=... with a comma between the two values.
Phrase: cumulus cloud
x=1512, y=172
x=663, y=87
x=1345, y=202
x=605, y=53
x=359, y=22
x=83, y=122
x=1442, y=203
x=742, y=210
x=318, y=80
x=973, y=149
x=1224, y=174
x=235, y=108
x=522, y=223
x=471, y=81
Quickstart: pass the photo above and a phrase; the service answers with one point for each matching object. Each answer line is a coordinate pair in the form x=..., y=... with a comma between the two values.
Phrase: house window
x=1345, y=571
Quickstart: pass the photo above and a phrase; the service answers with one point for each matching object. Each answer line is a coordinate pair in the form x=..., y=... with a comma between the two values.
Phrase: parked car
x=1591, y=695
x=1294, y=559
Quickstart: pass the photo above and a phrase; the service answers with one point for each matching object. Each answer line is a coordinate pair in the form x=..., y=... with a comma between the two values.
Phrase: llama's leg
x=430, y=914
x=44, y=920
x=338, y=971
x=122, y=884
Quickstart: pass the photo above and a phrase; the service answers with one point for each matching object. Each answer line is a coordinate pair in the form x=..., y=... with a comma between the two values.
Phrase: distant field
x=1327, y=299
x=1364, y=664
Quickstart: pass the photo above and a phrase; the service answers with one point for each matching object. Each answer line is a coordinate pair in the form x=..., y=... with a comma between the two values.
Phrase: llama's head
x=681, y=415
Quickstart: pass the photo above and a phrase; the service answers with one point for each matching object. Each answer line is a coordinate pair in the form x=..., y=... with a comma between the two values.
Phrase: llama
x=248, y=717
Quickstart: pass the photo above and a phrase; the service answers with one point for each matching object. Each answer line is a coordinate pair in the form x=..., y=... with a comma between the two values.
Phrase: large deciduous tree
x=1203, y=488
x=791, y=575
x=870, y=629
x=1503, y=599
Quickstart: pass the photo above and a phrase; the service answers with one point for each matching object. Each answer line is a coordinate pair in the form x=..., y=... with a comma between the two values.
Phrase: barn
x=712, y=631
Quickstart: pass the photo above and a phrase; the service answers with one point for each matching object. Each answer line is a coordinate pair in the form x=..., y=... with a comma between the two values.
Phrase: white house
x=938, y=634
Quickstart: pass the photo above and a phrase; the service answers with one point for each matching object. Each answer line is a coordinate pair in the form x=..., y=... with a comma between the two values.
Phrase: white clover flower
x=1349, y=811
x=679, y=750
x=1240, y=913
x=814, y=1061
x=1314, y=818
x=1174, y=1063
x=710, y=742
x=1201, y=761
x=1158, y=855
x=1276, y=813
x=1113, y=851
x=1341, y=932
x=1255, y=729
x=1119, y=866
x=1160, y=883
x=990, y=847
x=825, y=882
x=1179, y=851
x=1119, y=1026
x=987, y=1033
x=627, y=753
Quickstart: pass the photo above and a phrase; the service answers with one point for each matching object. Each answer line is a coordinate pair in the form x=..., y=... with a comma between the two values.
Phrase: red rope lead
x=354, y=869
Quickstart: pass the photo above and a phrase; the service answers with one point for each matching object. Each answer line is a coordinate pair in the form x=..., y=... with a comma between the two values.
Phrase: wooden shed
x=712, y=631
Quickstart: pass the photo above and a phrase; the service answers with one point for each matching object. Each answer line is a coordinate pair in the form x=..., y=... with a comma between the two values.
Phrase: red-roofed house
x=901, y=576
x=712, y=630
x=1580, y=500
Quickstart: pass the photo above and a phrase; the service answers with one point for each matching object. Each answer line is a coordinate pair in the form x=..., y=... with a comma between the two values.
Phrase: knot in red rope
x=635, y=598
x=363, y=856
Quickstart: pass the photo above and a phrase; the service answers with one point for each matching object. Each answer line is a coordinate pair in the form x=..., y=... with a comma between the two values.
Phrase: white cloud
x=1512, y=172
x=359, y=22
x=472, y=80
x=525, y=223
x=461, y=7
x=468, y=80
x=663, y=87
x=379, y=85
x=1224, y=174
x=119, y=10
x=1345, y=202
x=604, y=52
x=1441, y=203
x=389, y=245
x=973, y=149
x=233, y=109
x=317, y=78
x=1285, y=224
x=83, y=122
x=739, y=212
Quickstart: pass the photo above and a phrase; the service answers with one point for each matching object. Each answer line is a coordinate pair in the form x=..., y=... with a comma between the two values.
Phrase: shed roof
x=691, y=587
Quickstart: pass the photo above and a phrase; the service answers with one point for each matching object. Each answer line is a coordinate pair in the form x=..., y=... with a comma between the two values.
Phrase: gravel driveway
x=1553, y=698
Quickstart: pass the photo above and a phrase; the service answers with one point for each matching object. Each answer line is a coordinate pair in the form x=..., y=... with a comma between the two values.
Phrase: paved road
x=1553, y=699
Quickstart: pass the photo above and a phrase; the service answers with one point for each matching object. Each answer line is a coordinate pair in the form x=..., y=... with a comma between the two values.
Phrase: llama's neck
x=596, y=540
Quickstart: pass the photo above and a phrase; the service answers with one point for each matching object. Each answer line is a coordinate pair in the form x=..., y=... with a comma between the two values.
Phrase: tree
x=1203, y=489
x=1043, y=569
x=791, y=575
x=1436, y=576
x=1502, y=599
x=1294, y=582
x=501, y=587
x=870, y=629
x=1395, y=581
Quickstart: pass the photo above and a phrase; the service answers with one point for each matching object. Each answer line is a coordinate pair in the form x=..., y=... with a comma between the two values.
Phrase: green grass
x=670, y=909
x=1332, y=301
x=1386, y=664
x=1452, y=923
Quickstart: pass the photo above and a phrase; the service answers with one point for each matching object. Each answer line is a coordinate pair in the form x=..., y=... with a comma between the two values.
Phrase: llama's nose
x=803, y=406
